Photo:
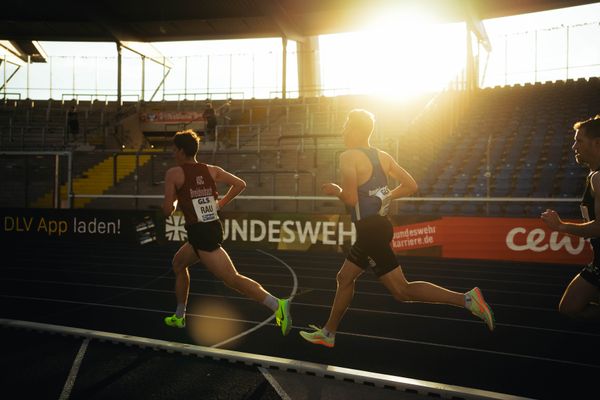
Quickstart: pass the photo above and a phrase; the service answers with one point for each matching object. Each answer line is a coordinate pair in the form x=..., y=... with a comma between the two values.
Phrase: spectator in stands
x=365, y=171
x=223, y=113
x=224, y=120
x=210, y=122
x=580, y=299
x=193, y=185
x=73, y=123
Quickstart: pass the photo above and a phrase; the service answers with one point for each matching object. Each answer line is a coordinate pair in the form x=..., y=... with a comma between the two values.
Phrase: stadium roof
x=169, y=20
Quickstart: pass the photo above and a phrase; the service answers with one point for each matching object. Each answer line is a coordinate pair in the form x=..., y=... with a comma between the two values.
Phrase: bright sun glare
x=399, y=59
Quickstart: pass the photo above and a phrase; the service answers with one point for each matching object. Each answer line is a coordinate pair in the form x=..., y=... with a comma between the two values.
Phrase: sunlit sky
x=396, y=55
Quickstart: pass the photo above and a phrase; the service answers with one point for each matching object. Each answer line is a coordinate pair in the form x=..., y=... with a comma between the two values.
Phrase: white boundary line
x=271, y=379
x=266, y=321
x=427, y=388
x=294, y=277
x=397, y=313
x=455, y=287
x=66, y=392
x=329, y=198
x=365, y=280
x=310, y=289
x=391, y=339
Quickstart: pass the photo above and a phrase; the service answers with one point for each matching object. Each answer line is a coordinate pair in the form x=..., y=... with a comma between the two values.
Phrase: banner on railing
x=79, y=224
x=512, y=239
x=170, y=117
x=284, y=231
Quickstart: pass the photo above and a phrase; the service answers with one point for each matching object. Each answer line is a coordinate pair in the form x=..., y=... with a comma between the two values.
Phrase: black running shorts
x=372, y=247
x=591, y=274
x=205, y=236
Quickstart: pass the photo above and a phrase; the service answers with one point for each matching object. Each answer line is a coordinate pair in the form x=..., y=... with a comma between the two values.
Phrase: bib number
x=383, y=194
x=585, y=213
x=206, y=208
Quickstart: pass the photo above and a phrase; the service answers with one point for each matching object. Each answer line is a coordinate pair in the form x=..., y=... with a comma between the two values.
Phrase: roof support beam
x=286, y=25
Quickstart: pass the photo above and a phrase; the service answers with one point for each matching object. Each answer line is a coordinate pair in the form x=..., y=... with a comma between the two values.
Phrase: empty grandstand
x=476, y=100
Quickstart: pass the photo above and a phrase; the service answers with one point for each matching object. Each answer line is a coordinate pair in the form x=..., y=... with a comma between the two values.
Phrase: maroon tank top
x=198, y=195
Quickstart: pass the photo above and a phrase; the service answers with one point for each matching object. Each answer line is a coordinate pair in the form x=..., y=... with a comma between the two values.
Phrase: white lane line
x=309, y=289
x=152, y=310
x=449, y=346
x=66, y=392
x=409, y=269
x=377, y=311
x=332, y=278
x=268, y=320
x=339, y=332
x=271, y=379
x=294, y=277
x=312, y=289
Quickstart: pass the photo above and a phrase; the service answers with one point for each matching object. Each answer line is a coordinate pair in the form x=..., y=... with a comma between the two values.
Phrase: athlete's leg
x=184, y=257
x=221, y=266
x=420, y=291
x=219, y=263
x=580, y=300
x=346, y=279
x=427, y=292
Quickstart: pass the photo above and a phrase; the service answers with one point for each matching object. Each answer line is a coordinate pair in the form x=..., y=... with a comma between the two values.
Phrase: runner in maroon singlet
x=193, y=186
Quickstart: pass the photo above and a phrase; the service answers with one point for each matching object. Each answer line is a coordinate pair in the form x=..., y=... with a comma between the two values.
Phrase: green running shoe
x=283, y=317
x=175, y=322
x=318, y=337
x=480, y=308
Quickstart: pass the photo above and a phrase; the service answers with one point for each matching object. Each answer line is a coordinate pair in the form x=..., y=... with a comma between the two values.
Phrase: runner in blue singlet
x=364, y=190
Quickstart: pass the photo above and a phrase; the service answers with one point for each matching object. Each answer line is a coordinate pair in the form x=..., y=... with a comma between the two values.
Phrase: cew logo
x=536, y=241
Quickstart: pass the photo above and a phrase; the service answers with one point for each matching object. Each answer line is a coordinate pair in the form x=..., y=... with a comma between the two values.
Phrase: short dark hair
x=362, y=120
x=188, y=141
x=590, y=127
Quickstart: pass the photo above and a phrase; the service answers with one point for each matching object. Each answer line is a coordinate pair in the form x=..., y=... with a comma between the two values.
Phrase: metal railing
x=95, y=96
x=254, y=129
x=274, y=173
x=56, y=172
x=314, y=138
x=203, y=96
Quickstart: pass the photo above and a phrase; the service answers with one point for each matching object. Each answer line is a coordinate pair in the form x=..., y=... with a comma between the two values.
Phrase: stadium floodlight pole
x=284, y=42
x=28, y=66
x=144, y=77
x=4, y=77
x=119, y=71
x=567, y=66
x=164, y=77
x=535, y=60
x=50, y=77
x=73, y=76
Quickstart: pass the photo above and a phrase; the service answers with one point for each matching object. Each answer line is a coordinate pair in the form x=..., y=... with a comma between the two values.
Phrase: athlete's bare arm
x=406, y=183
x=585, y=229
x=172, y=178
x=236, y=185
x=348, y=191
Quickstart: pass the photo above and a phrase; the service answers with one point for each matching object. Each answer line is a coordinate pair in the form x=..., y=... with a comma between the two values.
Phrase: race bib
x=206, y=208
x=383, y=193
x=585, y=213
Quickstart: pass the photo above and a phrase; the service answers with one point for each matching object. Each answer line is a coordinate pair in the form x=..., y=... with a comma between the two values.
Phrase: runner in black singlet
x=581, y=298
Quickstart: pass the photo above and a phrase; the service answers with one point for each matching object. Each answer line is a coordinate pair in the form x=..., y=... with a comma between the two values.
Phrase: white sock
x=467, y=300
x=180, y=312
x=271, y=302
x=327, y=333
